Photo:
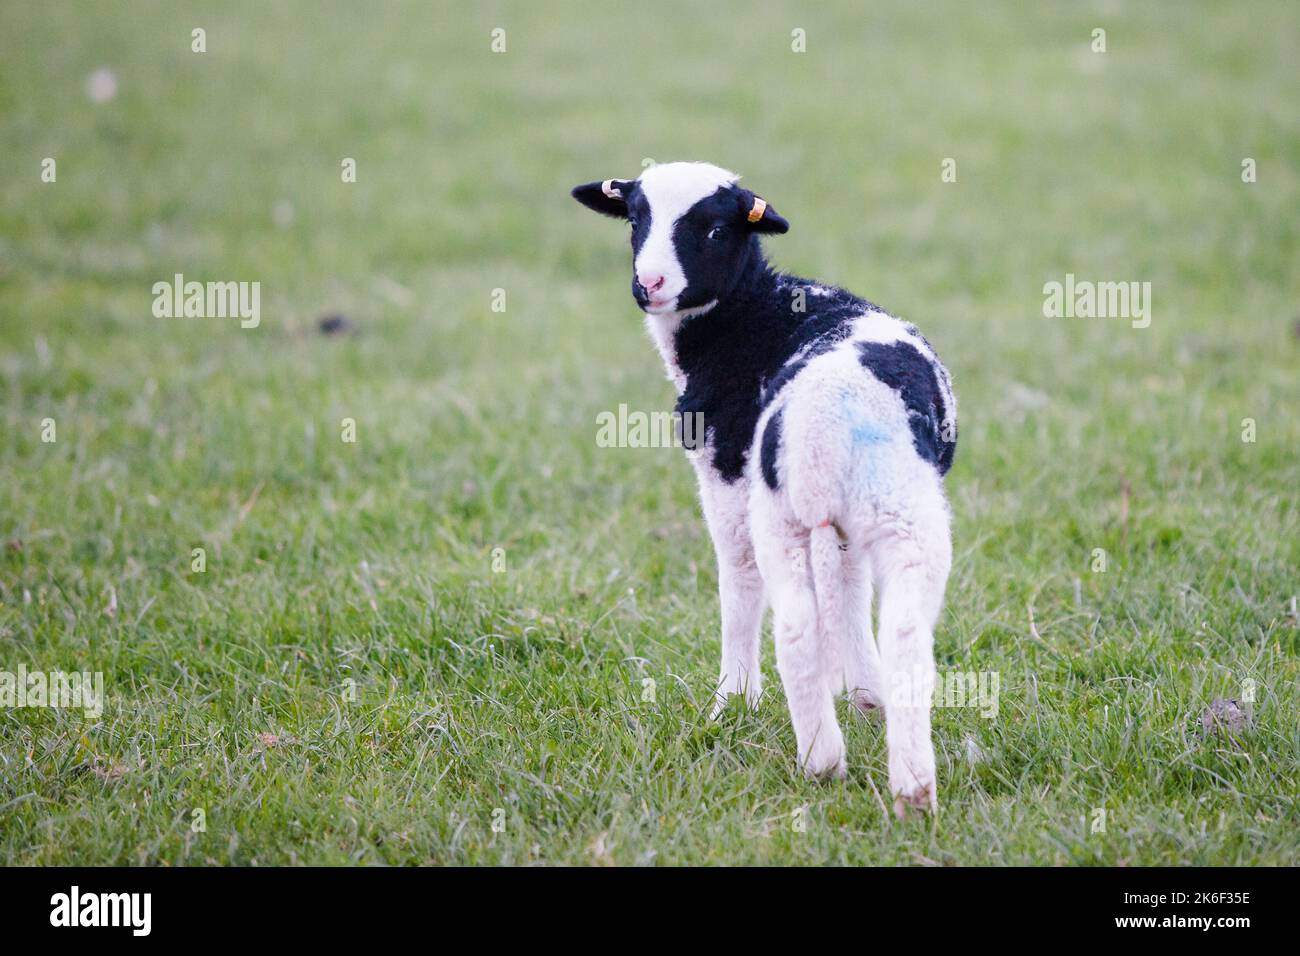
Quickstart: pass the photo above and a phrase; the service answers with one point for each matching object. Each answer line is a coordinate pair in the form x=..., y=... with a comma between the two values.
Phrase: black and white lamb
x=828, y=427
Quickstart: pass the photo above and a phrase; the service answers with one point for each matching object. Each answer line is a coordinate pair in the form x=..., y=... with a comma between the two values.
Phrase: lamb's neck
x=663, y=331
x=748, y=326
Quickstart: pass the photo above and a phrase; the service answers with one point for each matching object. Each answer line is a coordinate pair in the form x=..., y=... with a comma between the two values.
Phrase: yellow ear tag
x=760, y=207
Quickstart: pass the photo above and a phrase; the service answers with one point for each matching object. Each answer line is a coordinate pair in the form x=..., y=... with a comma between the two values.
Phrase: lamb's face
x=693, y=231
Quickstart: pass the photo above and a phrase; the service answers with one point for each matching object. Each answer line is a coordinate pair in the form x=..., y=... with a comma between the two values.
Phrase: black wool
x=734, y=356
x=902, y=366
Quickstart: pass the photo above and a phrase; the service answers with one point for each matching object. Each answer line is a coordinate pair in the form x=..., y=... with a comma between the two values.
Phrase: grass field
x=353, y=679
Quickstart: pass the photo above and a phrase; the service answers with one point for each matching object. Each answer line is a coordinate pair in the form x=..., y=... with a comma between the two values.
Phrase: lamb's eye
x=717, y=232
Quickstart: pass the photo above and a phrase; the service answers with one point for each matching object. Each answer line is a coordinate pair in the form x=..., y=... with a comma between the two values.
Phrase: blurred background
x=476, y=428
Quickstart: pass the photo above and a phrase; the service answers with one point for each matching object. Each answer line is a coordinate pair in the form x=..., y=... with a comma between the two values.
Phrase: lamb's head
x=693, y=232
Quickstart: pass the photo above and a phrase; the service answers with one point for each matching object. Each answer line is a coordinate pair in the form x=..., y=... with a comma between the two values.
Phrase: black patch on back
x=827, y=329
x=902, y=366
x=770, y=446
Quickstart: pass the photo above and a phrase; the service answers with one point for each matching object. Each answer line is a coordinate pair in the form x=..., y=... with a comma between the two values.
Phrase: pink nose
x=651, y=283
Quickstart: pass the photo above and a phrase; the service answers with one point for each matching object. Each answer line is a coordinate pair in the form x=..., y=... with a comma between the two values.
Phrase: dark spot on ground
x=1224, y=718
x=336, y=325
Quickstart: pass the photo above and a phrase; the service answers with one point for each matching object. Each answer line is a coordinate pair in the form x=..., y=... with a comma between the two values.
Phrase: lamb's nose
x=651, y=283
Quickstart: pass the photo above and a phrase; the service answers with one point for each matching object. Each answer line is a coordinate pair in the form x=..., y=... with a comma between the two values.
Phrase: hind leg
x=864, y=680
x=912, y=568
x=782, y=549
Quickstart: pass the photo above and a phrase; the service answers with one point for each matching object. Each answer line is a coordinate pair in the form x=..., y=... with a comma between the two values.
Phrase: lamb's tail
x=828, y=583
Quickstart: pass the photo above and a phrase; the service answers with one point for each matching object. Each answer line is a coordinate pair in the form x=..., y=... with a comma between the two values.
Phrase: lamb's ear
x=760, y=216
x=608, y=197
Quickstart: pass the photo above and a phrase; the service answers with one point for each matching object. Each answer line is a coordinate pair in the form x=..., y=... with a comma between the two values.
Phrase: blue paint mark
x=873, y=458
x=866, y=433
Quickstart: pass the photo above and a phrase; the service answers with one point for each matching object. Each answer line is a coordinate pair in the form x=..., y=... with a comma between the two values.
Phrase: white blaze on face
x=672, y=189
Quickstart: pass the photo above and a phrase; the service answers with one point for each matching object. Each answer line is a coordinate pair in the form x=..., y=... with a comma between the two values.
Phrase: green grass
x=372, y=562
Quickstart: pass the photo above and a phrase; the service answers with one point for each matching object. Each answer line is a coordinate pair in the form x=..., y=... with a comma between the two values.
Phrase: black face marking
x=902, y=366
x=770, y=446
x=639, y=217
x=712, y=245
x=711, y=241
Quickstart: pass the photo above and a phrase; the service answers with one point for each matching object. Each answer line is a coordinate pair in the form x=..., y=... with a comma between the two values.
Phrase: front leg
x=741, y=591
x=740, y=587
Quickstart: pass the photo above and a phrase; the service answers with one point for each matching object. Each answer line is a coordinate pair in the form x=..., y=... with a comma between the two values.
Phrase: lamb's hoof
x=911, y=777
x=826, y=762
x=866, y=704
x=837, y=771
x=917, y=803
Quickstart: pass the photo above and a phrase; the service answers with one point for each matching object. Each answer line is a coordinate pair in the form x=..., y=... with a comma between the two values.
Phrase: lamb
x=828, y=427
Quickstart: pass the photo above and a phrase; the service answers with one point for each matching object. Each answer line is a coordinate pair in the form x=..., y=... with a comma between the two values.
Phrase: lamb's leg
x=800, y=657
x=864, y=680
x=912, y=571
x=740, y=590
